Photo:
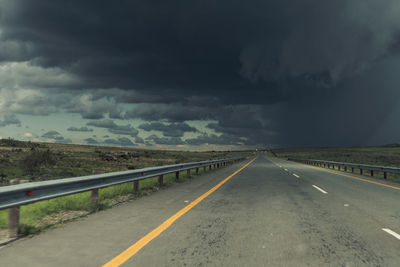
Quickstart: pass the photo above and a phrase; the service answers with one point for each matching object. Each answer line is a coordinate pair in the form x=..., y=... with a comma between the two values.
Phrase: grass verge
x=42, y=215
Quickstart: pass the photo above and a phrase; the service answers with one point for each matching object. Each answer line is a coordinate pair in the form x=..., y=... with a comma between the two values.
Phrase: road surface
x=271, y=213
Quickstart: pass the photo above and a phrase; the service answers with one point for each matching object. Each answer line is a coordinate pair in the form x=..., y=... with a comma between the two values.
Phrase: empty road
x=271, y=213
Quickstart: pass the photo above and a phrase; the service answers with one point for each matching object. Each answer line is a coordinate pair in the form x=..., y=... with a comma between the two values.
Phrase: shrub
x=33, y=162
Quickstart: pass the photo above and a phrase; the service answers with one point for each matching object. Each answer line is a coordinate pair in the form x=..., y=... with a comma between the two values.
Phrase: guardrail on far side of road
x=353, y=166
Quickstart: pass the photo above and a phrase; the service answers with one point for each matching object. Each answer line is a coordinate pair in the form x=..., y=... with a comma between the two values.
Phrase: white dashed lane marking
x=390, y=232
x=320, y=189
x=295, y=175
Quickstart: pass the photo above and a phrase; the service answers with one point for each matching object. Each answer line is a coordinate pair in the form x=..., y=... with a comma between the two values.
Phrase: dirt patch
x=60, y=217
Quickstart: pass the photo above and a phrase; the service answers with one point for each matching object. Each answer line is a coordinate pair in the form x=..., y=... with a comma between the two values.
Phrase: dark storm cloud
x=201, y=45
x=355, y=117
x=171, y=130
x=112, y=127
x=91, y=108
x=259, y=69
x=175, y=112
x=79, y=129
x=9, y=119
x=213, y=139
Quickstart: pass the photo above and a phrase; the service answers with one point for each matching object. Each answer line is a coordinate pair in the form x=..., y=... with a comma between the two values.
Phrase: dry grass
x=382, y=156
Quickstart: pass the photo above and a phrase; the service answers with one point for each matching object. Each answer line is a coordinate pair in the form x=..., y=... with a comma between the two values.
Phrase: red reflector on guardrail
x=29, y=193
x=143, y=173
x=182, y=167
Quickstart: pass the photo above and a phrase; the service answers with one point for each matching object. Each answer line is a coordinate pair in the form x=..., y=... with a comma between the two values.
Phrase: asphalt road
x=272, y=213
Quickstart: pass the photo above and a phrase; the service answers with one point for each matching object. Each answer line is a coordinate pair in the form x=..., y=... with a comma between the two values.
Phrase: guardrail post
x=94, y=197
x=160, y=180
x=197, y=170
x=352, y=169
x=136, y=187
x=204, y=168
x=345, y=168
x=384, y=175
x=210, y=167
x=177, y=176
x=361, y=171
x=372, y=173
x=188, y=172
x=13, y=217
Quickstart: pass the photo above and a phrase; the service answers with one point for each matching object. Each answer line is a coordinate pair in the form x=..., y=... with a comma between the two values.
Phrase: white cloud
x=25, y=101
x=26, y=75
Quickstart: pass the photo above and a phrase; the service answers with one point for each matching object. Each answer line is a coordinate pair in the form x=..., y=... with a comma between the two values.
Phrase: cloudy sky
x=201, y=74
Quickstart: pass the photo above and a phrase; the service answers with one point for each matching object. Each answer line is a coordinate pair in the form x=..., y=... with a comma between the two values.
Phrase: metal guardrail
x=344, y=165
x=13, y=196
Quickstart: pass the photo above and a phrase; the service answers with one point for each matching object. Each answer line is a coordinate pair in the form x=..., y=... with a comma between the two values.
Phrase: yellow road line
x=132, y=250
x=351, y=176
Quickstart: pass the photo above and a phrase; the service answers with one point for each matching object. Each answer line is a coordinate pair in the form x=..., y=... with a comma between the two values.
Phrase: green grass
x=382, y=156
x=32, y=215
x=79, y=160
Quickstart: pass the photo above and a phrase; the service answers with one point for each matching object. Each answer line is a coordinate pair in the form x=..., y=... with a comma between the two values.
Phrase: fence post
x=160, y=180
x=94, y=197
x=136, y=187
x=13, y=216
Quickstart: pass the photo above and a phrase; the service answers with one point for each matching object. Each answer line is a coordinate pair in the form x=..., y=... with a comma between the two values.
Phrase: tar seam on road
x=322, y=190
x=132, y=250
x=353, y=177
x=391, y=233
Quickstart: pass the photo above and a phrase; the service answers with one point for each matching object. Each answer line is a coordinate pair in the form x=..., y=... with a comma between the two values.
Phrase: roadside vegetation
x=43, y=161
x=388, y=155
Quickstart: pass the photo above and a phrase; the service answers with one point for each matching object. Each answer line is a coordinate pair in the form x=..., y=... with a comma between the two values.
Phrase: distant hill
x=392, y=145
